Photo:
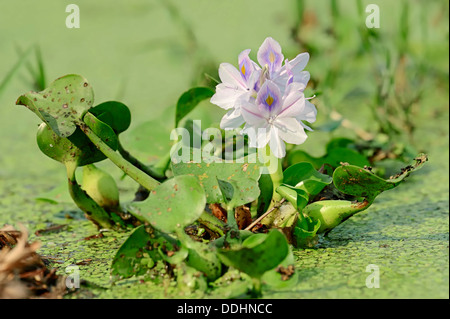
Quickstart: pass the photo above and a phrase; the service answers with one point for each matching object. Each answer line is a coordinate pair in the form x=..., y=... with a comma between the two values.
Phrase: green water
x=135, y=52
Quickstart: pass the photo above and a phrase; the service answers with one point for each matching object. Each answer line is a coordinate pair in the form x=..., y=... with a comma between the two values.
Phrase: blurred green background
x=390, y=82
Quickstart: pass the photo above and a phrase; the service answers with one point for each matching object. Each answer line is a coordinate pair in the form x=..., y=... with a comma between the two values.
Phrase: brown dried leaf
x=23, y=273
x=243, y=216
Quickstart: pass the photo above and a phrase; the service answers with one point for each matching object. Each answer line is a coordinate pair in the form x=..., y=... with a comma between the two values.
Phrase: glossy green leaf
x=305, y=177
x=245, y=176
x=304, y=234
x=357, y=181
x=62, y=104
x=189, y=100
x=116, y=114
x=296, y=196
x=172, y=205
x=77, y=147
x=228, y=190
x=258, y=253
x=331, y=213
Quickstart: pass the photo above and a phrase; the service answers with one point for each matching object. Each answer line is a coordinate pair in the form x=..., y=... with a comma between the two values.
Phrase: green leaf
x=296, y=196
x=102, y=130
x=56, y=195
x=338, y=142
x=149, y=141
x=339, y=155
x=203, y=258
x=337, y=152
x=233, y=284
x=62, y=105
x=245, y=175
x=228, y=190
x=139, y=253
x=329, y=126
x=304, y=234
x=189, y=100
x=331, y=213
x=304, y=176
x=418, y=163
x=284, y=276
x=116, y=114
x=259, y=253
x=359, y=182
x=172, y=205
x=298, y=156
x=77, y=147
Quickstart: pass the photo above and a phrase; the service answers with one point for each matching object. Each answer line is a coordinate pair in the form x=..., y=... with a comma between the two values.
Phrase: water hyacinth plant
x=221, y=223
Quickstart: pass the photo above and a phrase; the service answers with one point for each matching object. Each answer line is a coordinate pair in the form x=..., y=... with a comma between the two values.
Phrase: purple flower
x=267, y=97
x=274, y=118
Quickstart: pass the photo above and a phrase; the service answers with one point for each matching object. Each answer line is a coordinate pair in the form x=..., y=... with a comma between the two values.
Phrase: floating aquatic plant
x=209, y=218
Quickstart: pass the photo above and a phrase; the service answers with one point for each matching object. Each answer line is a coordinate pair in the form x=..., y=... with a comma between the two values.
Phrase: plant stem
x=231, y=219
x=135, y=173
x=157, y=172
x=257, y=287
x=276, y=175
x=93, y=211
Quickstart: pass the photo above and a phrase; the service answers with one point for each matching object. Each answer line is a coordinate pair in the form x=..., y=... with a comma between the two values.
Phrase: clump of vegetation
x=204, y=216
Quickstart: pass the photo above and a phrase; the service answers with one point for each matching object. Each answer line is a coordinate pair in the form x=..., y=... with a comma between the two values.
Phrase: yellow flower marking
x=271, y=57
x=269, y=100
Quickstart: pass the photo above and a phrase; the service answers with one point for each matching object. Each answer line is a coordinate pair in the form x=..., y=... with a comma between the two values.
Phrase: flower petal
x=226, y=97
x=233, y=119
x=246, y=65
x=231, y=77
x=270, y=54
x=302, y=77
x=252, y=114
x=309, y=113
x=269, y=99
x=258, y=136
x=277, y=145
x=290, y=130
x=293, y=104
x=299, y=62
